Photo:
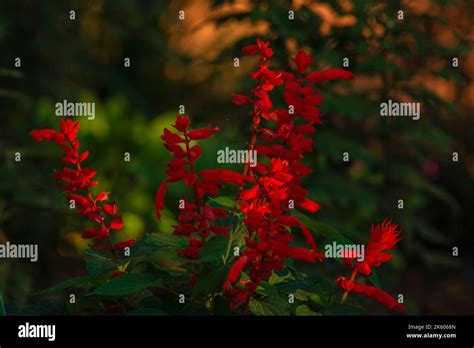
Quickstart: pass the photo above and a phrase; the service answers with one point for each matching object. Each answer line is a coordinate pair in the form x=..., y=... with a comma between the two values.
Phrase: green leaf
x=98, y=262
x=318, y=228
x=291, y=286
x=70, y=283
x=224, y=201
x=304, y=310
x=157, y=242
x=214, y=249
x=210, y=281
x=127, y=283
x=2, y=307
x=374, y=279
x=269, y=307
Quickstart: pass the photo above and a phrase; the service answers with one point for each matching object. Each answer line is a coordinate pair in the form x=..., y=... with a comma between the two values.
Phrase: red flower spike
x=78, y=179
x=195, y=218
x=266, y=202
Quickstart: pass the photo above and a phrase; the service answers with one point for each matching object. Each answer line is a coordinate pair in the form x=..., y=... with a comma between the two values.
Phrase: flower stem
x=346, y=293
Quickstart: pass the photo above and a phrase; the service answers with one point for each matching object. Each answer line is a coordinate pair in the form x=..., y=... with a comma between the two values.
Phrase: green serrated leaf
x=225, y=201
x=210, y=281
x=320, y=229
x=127, y=283
x=304, y=310
x=212, y=251
x=158, y=242
x=98, y=262
x=268, y=307
x=70, y=283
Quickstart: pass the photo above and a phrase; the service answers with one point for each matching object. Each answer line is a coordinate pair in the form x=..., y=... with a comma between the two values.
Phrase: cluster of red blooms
x=78, y=181
x=268, y=191
x=195, y=217
x=276, y=186
x=383, y=236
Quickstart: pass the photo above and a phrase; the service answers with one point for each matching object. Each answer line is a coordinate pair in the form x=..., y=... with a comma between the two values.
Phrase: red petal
x=195, y=152
x=124, y=244
x=48, y=134
x=240, y=99
x=250, y=49
x=329, y=74
x=170, y=138
x=308, y=205
x=250, y=193
x=309, y=237
x=84, y=155
x=202, y=133
x=235, y=271
x=288, y=220
x=372, y=292
x=182, y=123
x=117, y=223
x=224, y=175
x=302, y=61
x=159, y=198
x=302, y=254
x=110, y=209
x=102, y=196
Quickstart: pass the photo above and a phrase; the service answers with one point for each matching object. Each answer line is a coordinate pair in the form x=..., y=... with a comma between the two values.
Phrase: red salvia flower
x=383, y=236
x=370, y=291
x=266, y=203
x=196, y=218
x=78, y=181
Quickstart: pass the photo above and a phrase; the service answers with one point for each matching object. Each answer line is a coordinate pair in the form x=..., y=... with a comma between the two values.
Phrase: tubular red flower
x=234, y=272
x=372, y=292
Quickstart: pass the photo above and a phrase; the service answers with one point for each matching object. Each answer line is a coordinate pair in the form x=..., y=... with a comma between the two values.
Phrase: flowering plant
x=246, y=253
